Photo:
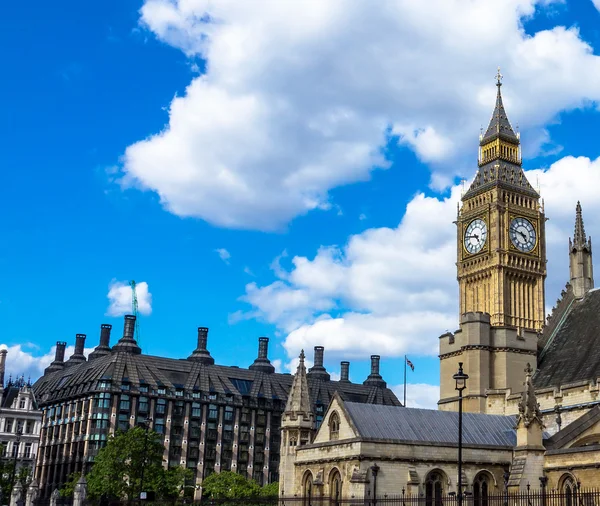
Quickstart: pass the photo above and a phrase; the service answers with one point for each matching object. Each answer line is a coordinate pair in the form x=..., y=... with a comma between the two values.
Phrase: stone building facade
x=213, y=418
x=20, y=420
x=533, y=381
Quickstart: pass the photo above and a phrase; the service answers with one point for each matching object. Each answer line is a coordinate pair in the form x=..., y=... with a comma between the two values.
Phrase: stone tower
x=580, y=258
x=501, y=269
x=501, y=234
x=297, y=426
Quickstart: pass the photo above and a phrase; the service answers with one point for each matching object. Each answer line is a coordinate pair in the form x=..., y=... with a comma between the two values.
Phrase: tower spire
x=581, y=269
x=499, y=126
x=298, y=402
x=579, y=238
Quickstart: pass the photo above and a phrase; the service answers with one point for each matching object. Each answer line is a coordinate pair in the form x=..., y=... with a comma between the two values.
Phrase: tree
x=229, y=485
x=119, y=466
x=270, y=490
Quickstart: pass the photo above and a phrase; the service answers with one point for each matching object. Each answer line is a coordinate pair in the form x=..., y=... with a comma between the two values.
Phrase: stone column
x=80, y=492
x=32, y=493
x=16, y=494
x=54, y=497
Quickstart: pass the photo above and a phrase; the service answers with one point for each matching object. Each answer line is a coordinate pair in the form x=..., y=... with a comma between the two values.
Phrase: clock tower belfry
x=501, y=237
x=501, y=269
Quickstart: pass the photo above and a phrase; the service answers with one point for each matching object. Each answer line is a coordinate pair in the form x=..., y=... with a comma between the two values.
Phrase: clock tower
x=501, y=239
x=501, y=269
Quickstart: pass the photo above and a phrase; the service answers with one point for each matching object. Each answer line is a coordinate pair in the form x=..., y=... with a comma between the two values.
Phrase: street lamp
x=16, y=454
x=147, y=423
x=461, y=383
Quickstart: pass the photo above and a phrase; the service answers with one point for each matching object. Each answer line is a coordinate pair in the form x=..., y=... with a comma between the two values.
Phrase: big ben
x=501, y=261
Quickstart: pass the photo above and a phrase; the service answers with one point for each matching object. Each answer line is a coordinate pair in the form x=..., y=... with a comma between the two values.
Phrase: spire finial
x=301, y=356
x=579, y=238
x=499, y=77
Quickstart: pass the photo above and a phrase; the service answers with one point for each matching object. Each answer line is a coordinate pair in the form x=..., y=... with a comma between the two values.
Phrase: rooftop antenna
x=134, y=309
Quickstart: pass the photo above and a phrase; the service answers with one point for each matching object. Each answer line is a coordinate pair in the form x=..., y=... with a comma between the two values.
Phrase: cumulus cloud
x=28, y=360
x=301, y=97
x=394, y=291
x=418, y=395
x=120, y=298
x=223, y=255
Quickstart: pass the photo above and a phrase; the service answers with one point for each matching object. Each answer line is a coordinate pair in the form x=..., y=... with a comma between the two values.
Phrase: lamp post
x=375, y=469
x=147, y=423
x=16, y=454
x=461, y=383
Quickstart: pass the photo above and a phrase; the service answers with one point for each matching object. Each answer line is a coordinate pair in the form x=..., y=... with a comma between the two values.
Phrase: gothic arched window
x=307, y=489
x=434, y=488
x=334, y=426
x=335, y=488
x=568, y=488
x=481, y=487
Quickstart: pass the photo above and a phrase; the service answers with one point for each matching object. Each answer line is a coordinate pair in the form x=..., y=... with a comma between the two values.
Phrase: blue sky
x=272, y=169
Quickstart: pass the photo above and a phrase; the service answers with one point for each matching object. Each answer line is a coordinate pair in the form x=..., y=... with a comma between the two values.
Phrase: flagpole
x=404, y=380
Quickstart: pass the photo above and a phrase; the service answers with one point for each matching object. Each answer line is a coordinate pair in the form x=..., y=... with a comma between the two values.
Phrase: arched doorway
x=335, y=488
x=307, y=489
x=481, y=487
x=434, y=488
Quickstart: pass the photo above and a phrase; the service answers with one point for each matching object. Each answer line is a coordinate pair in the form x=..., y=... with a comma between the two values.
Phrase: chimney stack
x=59, y=358
x=375, y=378
x=345, y=372
x=3, y=353
x=262, y=362
x=201, y=353
x=104, y=347
x=78, y=357
x=127, y=343
x=317, y=371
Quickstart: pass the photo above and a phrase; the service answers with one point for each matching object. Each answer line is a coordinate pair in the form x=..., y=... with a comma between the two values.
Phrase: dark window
x=178, y=408
x=102, y=401
x=481, y=486
x=434, y=489
x=196, y=410
x=213, y=412
x=143, y=405
x=228, y=417
x=161, y=406
x=125, y=404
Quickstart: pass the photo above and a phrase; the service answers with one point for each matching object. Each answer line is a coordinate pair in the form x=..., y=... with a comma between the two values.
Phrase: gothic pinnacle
x=579, y=238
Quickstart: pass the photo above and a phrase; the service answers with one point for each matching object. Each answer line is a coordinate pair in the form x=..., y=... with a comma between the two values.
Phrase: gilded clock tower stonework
x=501, y=268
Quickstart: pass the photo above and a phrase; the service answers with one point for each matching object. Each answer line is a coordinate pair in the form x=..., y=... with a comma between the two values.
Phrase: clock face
x=522, y=234
x=475, y=236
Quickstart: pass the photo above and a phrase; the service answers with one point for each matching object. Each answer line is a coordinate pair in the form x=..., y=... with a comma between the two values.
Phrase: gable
x=346, y=428
x=585, y=431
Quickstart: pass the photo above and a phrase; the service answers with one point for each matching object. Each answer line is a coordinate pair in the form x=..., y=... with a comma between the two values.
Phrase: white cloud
x=394, y=291
x=300, y=96
x=596, y=4
x=223, y=255
x=24, y=359
x=418, y=395
x=120, y=298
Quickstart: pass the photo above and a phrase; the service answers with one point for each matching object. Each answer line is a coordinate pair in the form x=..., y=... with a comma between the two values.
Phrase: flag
x=410, y=364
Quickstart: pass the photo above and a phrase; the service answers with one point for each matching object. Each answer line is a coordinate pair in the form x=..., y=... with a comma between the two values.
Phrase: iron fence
x=581, y=497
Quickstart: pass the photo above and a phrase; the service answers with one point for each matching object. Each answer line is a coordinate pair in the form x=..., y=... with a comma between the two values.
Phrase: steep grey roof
x=82, y=379
x=430, y=426
x=502, y=173
x=572, y=354
x=499, y=125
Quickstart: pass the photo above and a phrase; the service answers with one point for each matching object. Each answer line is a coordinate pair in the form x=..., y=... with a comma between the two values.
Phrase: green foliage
x=23, y=476
x=270, y=490
x=229, y=485
x=118, y=468
x=68, y=488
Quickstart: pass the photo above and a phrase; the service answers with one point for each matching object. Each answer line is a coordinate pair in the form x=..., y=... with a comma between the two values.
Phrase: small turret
x=59, y=358
x=103, y=347
x=318, y=371
x=375, y=379
x=78, y=357
x=581, y=269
